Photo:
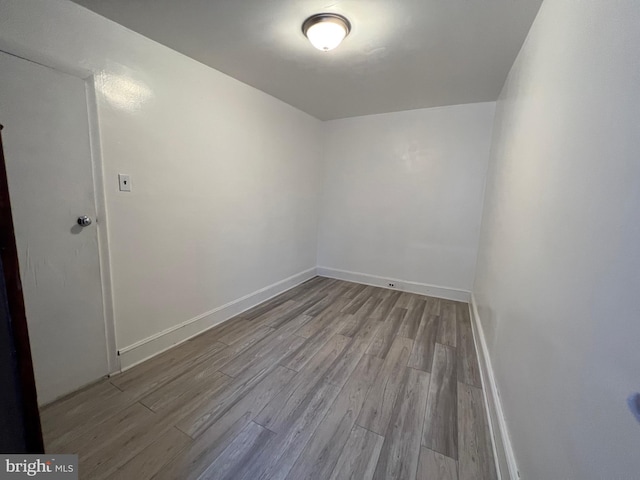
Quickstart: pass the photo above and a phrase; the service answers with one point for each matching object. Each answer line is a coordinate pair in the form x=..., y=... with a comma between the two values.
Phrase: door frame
x=20, y=403
x=97, y=168
x=100, y=200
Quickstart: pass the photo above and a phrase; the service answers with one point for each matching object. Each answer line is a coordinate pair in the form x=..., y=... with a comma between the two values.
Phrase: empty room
x=305, y=240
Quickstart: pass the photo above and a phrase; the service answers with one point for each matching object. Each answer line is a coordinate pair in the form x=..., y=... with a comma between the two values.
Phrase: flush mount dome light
x=325, y=31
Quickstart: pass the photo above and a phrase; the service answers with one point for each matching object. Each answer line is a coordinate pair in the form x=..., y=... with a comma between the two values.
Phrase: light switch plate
x=125, y=182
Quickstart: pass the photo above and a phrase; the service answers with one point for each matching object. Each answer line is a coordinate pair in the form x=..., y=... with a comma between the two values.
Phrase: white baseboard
x=404, y=285
x=166, y=339
x=503, y=450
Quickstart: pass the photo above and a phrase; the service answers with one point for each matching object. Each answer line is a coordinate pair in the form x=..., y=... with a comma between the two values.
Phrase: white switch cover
x=125, y=182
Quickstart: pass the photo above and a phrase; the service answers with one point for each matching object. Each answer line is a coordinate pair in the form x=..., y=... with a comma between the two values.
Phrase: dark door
x=19, y=417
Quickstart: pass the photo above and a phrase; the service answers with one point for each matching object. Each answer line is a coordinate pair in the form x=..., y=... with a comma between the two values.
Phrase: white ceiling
x=400, y=55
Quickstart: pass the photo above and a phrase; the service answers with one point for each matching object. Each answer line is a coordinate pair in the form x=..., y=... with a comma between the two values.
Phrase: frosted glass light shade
x=326, y=35
x=326, y=31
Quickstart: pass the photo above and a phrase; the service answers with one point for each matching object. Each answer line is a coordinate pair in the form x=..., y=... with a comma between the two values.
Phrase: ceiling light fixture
x=326, y=31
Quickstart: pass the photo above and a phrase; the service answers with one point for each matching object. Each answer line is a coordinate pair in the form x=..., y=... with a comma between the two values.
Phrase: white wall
x=558, y=277
x=225, y=177
x=402, y=196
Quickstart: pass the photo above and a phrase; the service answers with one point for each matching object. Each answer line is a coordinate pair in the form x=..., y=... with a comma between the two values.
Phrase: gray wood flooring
x=330, y=380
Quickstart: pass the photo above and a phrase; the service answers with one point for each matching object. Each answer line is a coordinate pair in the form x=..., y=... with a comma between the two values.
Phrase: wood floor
x=330, y=380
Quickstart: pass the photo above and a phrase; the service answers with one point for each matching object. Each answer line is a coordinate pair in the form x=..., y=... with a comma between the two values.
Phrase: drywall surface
x=402, y=194
x=558, y=276
x=224, y=177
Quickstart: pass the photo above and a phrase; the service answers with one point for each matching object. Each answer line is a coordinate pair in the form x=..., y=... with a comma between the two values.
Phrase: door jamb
x=100, y=200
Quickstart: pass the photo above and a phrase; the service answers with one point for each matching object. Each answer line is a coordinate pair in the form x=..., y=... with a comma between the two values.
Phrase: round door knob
x=84, y=221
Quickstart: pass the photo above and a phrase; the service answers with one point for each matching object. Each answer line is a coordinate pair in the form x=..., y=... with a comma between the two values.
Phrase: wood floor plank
x=247, y=339
x=339, y=289
x=350, y=324
x=265, y=360
x=325, y=286
x=314, y=282
x=149, y=375
x=401, y=448
x=302, y=292
x=358, y=301
x=368, y=308
x=239, y=397
x=435, y=466
x=253, y=400
x=326, y=283
x=297, y=359
x=360, y=317
x=203, y=347
x=475, y=452
x=320, y=455
x=326, y=380
x=194, y=459
x=447, y=327
x=267, y=306
x=180, y=381
x=154, y=457
x=411, y=321
x=100, y=434
x=386, y=306
x=234, y=327
x=318, y=322
x=376, y=412
x=271, y=348
x=193, y=399
x=272, y=315
x=279, y=455
x=161, y=362
x=356, y=347
x=381, y=292
x=325, y=303
x=359, y=456
x=301, y=308
x=77, y=403
x=324, y=289
x=440, y=431
x=244, y=447
x=114, y=445
x=179, y=391
x=387, y=334
x=276, y=414
x=75, y=415
x=354, y=290
x=405, y=300
x=213, y=334
x=468, y=368
x=433, y=306
x=246, y=335
x=424, y=345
